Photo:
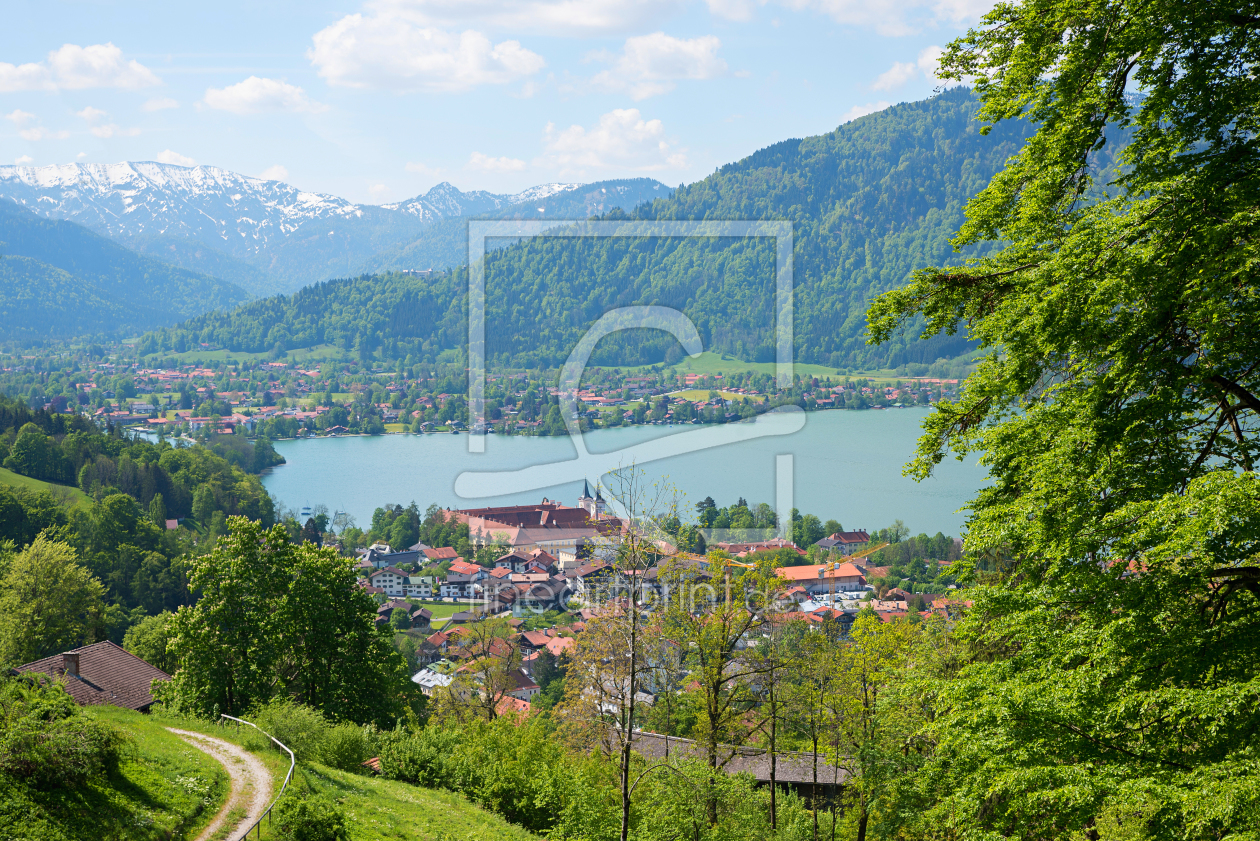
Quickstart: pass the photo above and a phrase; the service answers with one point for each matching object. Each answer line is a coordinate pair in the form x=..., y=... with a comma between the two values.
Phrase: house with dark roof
x=513, y=562
x=103, y=673
x=844, y=541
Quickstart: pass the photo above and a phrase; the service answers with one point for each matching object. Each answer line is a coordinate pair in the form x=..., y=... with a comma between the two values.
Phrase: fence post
x=284, y=787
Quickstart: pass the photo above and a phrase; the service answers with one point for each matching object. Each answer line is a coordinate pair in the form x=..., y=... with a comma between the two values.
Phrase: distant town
x=286, y=399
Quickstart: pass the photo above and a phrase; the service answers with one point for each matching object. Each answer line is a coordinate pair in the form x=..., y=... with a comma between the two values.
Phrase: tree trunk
x=813, y=805
x=774, y=812
x=862, y=816
x=625, y=789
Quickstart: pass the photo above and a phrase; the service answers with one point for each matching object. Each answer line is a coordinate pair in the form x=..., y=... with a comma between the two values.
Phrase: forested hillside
x=444, y=243
x=869, y=202
x=60, y=279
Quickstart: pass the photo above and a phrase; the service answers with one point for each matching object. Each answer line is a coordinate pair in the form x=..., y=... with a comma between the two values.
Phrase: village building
x=103, y=673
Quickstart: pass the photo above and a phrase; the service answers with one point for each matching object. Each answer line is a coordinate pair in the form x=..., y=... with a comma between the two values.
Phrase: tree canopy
x=1106, y=680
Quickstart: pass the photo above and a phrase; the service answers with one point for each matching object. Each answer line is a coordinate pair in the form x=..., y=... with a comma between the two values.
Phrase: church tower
x=586, y=501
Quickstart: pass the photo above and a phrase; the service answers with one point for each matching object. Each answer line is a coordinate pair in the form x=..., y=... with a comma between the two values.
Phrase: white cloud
x=391, y=51
x=895, y=76
x=650, y=64
x=378, y=191
x=41, y=133
x=80, y=156
x=71, y=67
x=930, y=61
x=485, y=163
x=548, y=17
x=275, y=172
x=903, y=71
x=169, y=157
x=113, y=130
x=622, y=140
x=255, y=95
x=896, y=17
x=22, y=119
x=25, y=77
x=160, y=103
x=98, y=66
x=862, y=110
x=94, y=117
x=25, y=159
x=424, y=169
x=740, y=10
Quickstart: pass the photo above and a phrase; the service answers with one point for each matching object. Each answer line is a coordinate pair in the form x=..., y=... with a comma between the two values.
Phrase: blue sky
x=377, y=101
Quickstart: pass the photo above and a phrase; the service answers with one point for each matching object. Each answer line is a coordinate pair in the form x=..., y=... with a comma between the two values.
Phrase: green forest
x=58, y=280
x=869, y=202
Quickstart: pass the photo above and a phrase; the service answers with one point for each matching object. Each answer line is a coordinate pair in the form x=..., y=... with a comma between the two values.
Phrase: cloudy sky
x=379, y=100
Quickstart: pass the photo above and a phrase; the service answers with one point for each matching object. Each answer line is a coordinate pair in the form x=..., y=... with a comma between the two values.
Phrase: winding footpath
x=251, y=782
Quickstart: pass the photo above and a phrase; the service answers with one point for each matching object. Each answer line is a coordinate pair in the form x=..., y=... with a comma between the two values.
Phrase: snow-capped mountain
x=266, y=236
x=445, y=201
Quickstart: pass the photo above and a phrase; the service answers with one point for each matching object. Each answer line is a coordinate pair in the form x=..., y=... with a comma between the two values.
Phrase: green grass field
x=318, y=353
x=442, y=611
x=70, y=495
x=694, y=394
x=713, y=363
x=166, y=789
x=163, y=789
x=377, y=809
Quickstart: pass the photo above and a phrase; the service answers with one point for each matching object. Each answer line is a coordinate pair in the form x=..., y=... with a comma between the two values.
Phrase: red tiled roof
x=810, y=571
x=558, y=645
x=441, y=553
x=515, y=706
x=107, y=675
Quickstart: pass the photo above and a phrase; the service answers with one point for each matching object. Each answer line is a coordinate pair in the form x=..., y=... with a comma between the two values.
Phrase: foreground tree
x=1109, y=682
x=48, y=602
x=278, y=619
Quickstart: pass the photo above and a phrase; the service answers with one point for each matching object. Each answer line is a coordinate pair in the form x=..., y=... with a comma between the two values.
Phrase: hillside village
x=558, y=569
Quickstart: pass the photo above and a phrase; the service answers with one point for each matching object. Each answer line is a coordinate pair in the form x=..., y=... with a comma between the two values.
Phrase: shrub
x=422, y=758
x=299, y=727
x=309, y=818
x=346, y=746
x=47, y=741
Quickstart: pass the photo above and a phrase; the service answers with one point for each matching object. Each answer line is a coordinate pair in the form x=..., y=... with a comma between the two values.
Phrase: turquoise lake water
x=844, y=465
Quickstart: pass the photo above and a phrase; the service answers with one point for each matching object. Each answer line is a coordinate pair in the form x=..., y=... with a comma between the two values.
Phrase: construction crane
x=727, y=563
x=834, y=566
x=872, y=550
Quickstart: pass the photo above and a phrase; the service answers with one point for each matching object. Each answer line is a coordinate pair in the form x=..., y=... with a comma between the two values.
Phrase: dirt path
x=251, y=782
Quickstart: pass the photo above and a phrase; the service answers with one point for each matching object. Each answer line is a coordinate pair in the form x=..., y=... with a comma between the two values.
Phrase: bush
x=47, y=741
x=299, y=727
x=311, y=736
x=423, y=758
x=346, y=746
x=309, y=818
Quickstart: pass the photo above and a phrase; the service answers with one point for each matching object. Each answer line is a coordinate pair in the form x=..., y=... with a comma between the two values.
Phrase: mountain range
x=58, y=279
x=869, y=202
x=268, y=236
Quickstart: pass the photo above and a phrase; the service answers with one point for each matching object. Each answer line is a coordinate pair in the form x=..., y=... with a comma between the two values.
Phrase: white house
x=389, y=579
x=430, y=681
x=461, y=579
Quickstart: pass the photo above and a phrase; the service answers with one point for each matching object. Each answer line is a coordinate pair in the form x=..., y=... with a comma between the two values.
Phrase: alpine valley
x=869, y=202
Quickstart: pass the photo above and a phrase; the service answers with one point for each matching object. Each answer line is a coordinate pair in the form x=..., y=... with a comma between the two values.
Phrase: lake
x=841, y=465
